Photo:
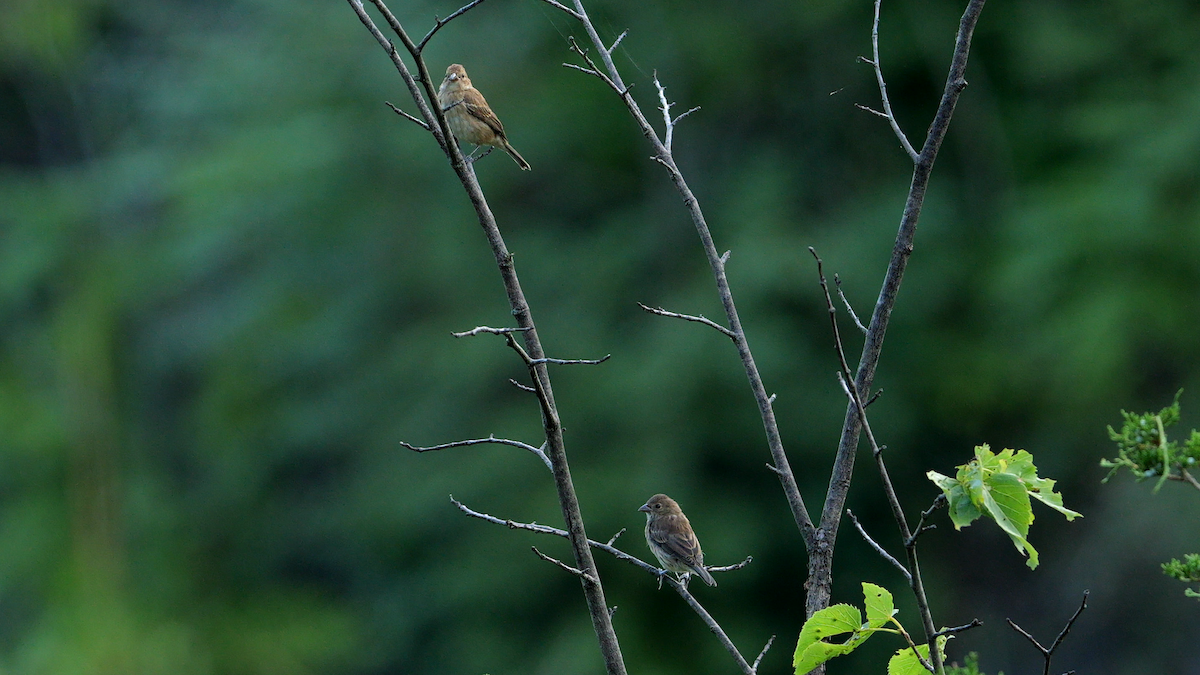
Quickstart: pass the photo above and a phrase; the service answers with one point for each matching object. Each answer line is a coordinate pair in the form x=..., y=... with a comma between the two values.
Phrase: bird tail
x=512, y=152
x=703, y=573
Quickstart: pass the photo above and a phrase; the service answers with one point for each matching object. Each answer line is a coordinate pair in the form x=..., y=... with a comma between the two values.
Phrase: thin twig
x=754, y=666
x=879, y=549
x=618, y=40
x=570, y=362
x=438, y=23
x=729, y=568
x=579, y=573
x=563, y=8
x=540, y=452
x=488, y=329
x=405, y=115
x=975, y=623
x=887, y=106
x=613, y=539
x=1047, y=654
x=874, y=396
x=838, y=283
x=938, y=502
x=688, y=317
x=522, y=387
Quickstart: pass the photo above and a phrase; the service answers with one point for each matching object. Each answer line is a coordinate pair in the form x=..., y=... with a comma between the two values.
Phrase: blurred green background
x=228, y=275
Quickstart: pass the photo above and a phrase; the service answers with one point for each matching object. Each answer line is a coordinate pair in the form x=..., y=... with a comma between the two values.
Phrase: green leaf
x=962, y=510
x=1000, y=485
x=904, y=662
x=880, y=607
x=1007, y=502
x=813, y=647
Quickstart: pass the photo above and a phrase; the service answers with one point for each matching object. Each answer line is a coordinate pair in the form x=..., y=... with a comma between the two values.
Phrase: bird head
x=456, y=75
x=661, y=505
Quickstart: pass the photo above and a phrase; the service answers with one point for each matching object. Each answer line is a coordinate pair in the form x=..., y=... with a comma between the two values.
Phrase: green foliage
x=817, y=645
x=905, y=662
x=1187, y=571
x=1143, y=448
x=1001, y=487
x=970, y=666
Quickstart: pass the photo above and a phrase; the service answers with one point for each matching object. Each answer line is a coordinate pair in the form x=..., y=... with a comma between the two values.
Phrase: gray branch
x=421, y=87
x=688, y=317
x=540, y=452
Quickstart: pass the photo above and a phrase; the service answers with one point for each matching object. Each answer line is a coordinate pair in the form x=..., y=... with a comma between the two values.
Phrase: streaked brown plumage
x=670, y=537
x=470, y=118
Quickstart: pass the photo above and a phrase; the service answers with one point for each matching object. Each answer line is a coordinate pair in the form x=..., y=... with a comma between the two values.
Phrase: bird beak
x=644, y=507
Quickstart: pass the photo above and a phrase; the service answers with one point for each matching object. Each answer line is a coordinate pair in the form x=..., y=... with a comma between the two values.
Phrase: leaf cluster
x=1187, y=571
x=1143, y=448
x=816, y=645
x=1000, y=486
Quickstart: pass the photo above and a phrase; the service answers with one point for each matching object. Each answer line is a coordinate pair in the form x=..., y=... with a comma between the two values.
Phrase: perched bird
x=670, y=537
x=469, y=116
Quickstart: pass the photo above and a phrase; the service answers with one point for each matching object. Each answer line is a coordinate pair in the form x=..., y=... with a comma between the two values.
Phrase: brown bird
x=469, y=116
x=670, y=537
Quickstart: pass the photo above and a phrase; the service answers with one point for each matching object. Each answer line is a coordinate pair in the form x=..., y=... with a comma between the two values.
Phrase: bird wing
x=677, y=537
x=478, y=108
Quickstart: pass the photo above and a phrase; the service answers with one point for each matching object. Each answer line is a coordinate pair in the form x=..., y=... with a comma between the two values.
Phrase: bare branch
x=618, y=40
x=975, y=623
x=405, y=115
x=730, y=568
x=871, y=110
x=754, y=666
x=540, y=452
x=887, y=106
x=431, y=120
x=1047, y=654
x=843, y=469
x=488, y=329
x=614, y=537
x=688, y=317
x=522, y=387
x=595, y=70
x=563, y=8
x=878, y=392
x=879, y=549
x=581, y=69
x=421, y=87
x=570, y=362
x=579, y=573
x=438, y=23
x=838, y=283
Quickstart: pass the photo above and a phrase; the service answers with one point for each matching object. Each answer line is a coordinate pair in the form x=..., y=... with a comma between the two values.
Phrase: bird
x=671, y=539
x=470, y=117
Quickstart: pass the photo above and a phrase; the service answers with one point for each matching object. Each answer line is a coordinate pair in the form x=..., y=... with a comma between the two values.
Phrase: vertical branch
x=663, y=155
x=839, y=483
x=555, y=448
